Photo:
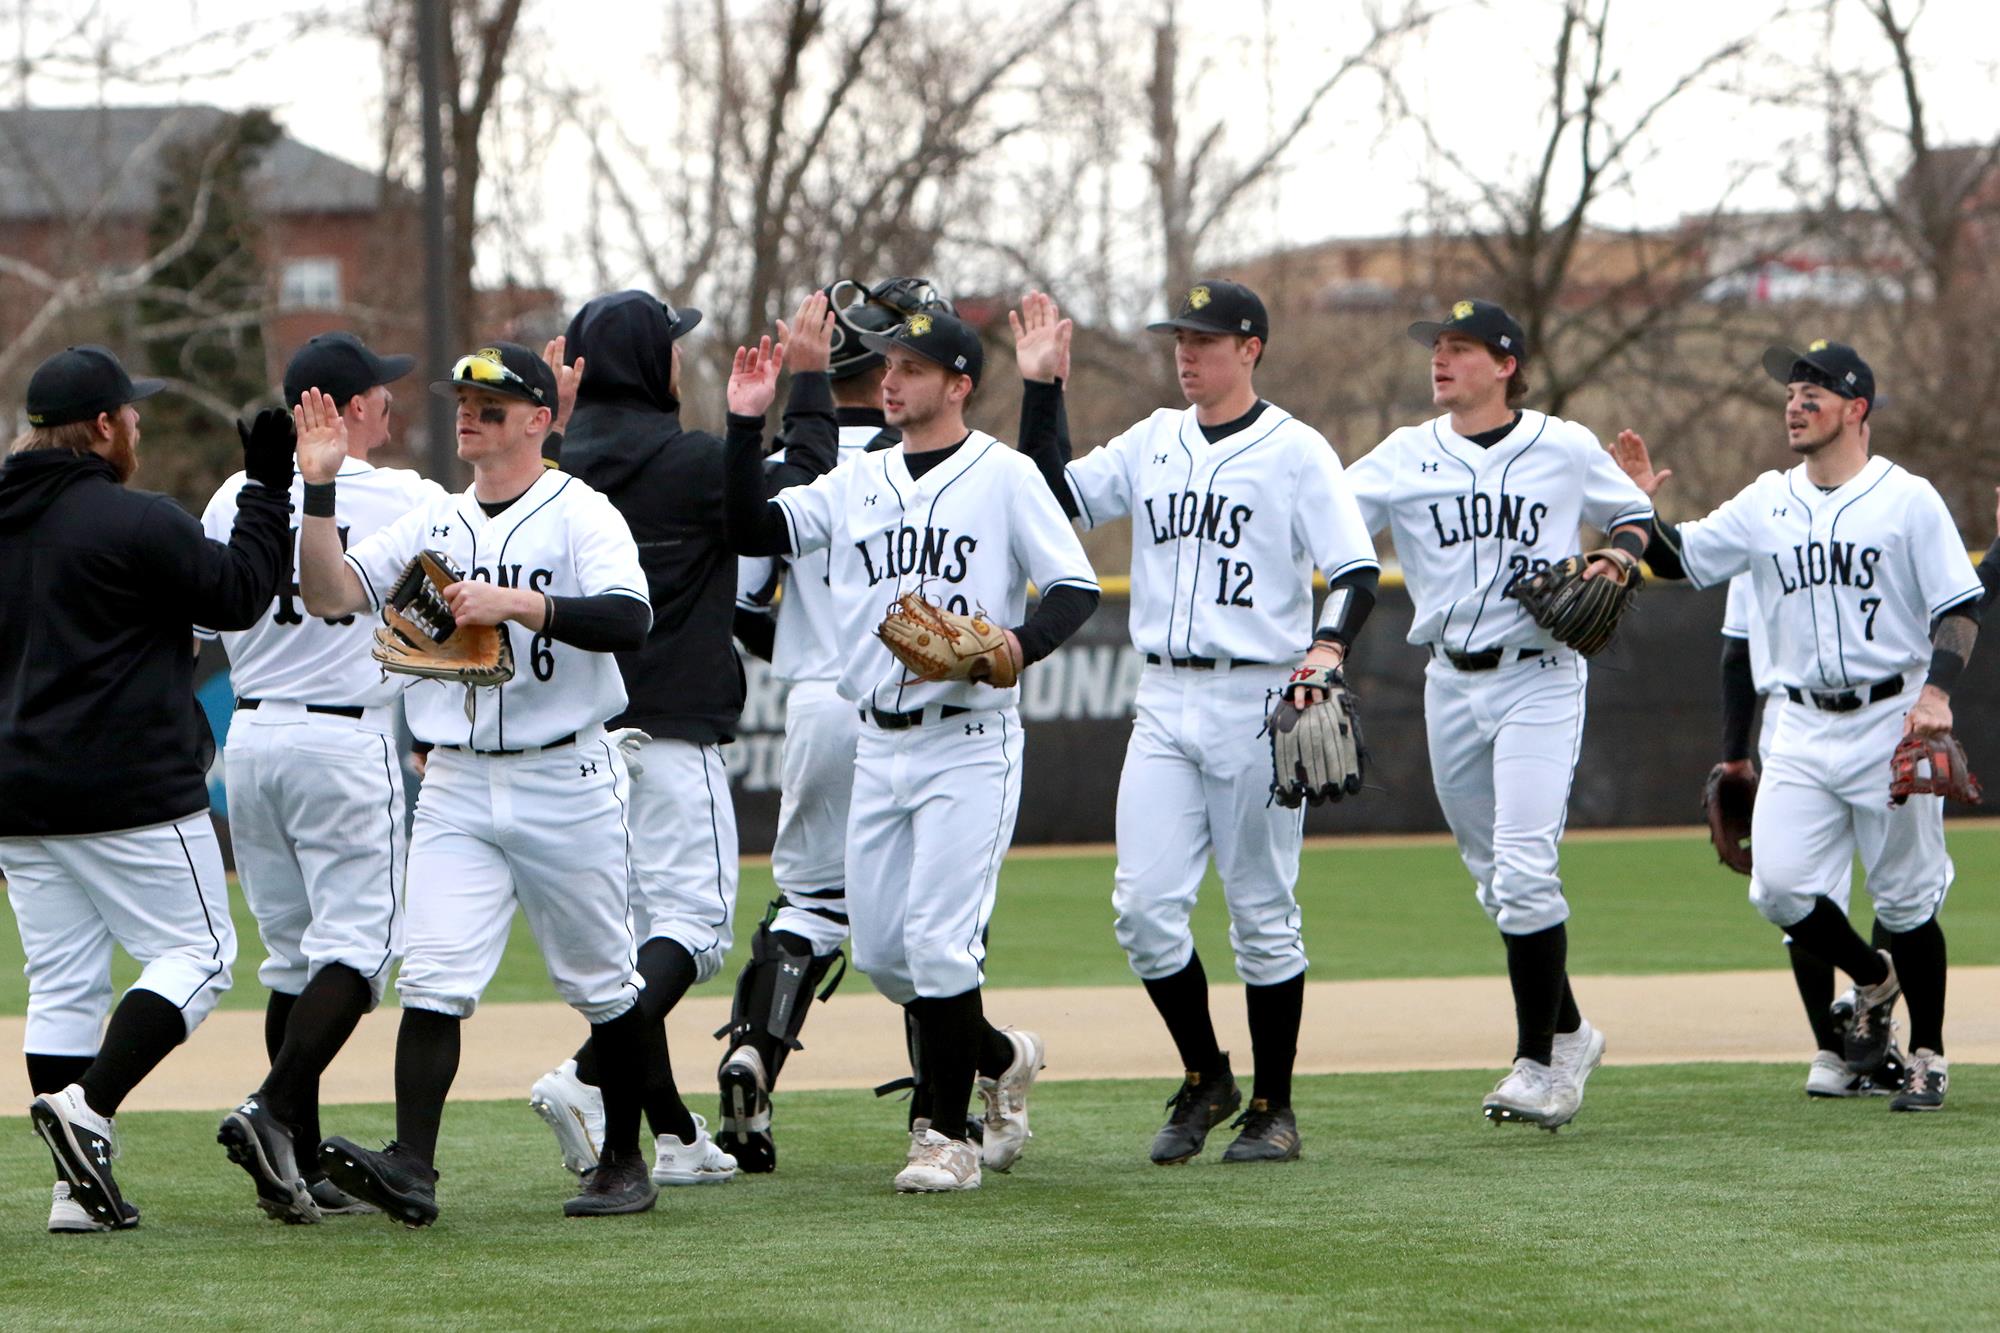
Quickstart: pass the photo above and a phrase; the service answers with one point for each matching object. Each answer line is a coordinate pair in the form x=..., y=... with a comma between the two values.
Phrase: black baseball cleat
x=1269, y=1134
x=82, y=1143
x=1929, y=1075
x=262, y=1145
x=1202, y=1102
x=745, y=1132
x=619, y=1183
x=333, y=1201
x=393, y=1179
x=1863, y=1017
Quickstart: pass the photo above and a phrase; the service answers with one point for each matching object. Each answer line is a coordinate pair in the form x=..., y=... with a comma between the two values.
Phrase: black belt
x=554, y=744
x=1846, y=701
x=1199, y=663
x=1487, y=660
x=914, y=718
x=334, y=710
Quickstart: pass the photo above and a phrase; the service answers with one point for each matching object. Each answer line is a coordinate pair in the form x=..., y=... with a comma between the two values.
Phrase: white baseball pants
x=684, y=850
x=809, y=856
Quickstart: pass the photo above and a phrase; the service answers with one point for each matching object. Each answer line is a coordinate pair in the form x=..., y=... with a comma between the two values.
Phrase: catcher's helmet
x=858, y=309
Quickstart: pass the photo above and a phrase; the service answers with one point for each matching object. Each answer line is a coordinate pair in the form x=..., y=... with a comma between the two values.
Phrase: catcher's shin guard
x=773, y=993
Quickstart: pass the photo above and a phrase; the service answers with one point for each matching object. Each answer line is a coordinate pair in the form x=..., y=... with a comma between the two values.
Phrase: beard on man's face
x=124, y=452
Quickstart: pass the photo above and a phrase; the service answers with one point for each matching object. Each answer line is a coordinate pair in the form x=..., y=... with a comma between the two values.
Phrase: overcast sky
x=1476, y=71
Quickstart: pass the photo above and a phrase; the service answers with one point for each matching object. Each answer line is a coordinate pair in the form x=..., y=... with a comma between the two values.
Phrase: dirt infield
x=1092, y=1032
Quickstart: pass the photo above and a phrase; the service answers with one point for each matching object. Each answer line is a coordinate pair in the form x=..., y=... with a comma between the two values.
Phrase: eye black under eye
x=492, y=416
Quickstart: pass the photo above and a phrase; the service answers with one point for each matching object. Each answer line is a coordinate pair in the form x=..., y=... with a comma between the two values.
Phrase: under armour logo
x=444, y=531
x=1159, y=458
x=98, y=1144
x=586, y=769
x=975, y=728
x=1427, y=467
x=1548, y=660
x=1780, y=511
x=868, y=500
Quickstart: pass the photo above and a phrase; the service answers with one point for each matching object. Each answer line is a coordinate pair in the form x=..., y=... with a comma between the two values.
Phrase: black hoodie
x=99, y=728
x=625, y=439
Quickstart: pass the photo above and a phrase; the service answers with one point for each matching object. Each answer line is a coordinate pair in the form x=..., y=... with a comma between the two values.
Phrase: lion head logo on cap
x=919, y=325
x=1198, y=297
x=1463, y=310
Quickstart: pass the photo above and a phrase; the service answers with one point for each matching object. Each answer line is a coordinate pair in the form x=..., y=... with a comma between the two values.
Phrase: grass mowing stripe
x=1643, y=905
x=1684, y=1196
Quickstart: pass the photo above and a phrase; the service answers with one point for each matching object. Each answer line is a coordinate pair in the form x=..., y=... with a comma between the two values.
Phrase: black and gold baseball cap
x=1481, y=320
x=935, y=336
x=1833, y=366
x=77, y=383
x=508, y=369
x=1217, y=305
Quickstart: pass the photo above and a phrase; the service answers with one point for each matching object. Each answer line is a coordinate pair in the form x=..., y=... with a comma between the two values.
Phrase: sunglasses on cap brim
x=481, y=372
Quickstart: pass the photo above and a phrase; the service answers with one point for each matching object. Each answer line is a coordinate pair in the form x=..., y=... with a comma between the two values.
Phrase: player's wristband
x=1945, y=669
x=1631, y=541
x=319, y=500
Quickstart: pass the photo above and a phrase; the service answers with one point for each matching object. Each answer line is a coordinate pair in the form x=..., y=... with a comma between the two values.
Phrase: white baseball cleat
x=1006, y=1098
x=1531, y=1094
x=66, y=1214
x=1828, y=1076
x=575, y=1111
x=1577, y=1056
x=698, y=1162
x=937, y=1164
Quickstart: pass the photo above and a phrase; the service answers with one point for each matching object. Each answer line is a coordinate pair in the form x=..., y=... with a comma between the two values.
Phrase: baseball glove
x=1931, y=766
x=1727, y=798
x=1316, y=753
x=936, y=644
x=1580, y=613
x=420, y=637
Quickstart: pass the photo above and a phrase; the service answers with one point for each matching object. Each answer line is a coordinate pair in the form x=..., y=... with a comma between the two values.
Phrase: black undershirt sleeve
x=1951, y=643
x=1348, y=613
x=751, y=524
x=1059, y=614
x=1989, y=573
x=609, y=622
x=1739, y=699
x=757, y=632
x=1663, y=550
x=1045, y=437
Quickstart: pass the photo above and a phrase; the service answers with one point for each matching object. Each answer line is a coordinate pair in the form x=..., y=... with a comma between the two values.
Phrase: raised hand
x=753, y=378
x=1629, y=451
x=567, y=378
x=322, y=433
x=807, y=342
x=1041, y=338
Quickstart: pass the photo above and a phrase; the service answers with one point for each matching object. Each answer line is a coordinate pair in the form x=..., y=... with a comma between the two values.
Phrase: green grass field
x=1709, y=1196
x=1643, y=905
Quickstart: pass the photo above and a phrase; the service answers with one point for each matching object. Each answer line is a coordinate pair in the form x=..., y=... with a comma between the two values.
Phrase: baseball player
x=1748, y=677
x=1477, y=499
x=311, y=764
x=104, y=830
x=685, y=684
x=799, y=940
x=1234, y=502
x=524, y=799
x=955, y=515
x=1873, y=609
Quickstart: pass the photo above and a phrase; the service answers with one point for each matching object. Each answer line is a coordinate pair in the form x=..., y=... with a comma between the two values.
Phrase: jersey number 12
x=1243, y=575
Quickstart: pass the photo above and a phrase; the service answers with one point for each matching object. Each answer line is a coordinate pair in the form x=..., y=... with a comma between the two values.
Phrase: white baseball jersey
x=1849, y=582
x=1470, y=522
x=970, y=534
x=302, y=658
x=560, y=537
x=1224, y=536
x=1741, y=619
x=807, y=644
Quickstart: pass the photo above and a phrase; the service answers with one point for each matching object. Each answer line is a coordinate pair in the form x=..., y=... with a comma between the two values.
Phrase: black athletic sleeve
x=1045, y=437
x=810, y=435
x=221, y=586
x=1059, y=614
x=609, y=622
x=757, y=632
x=1342, y=617
x=751, y=523
x=1663, y=550
x=1989, y=573
x=1739, y=699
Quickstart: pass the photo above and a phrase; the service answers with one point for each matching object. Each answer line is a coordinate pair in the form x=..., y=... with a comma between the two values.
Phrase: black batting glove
x=269, y=444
